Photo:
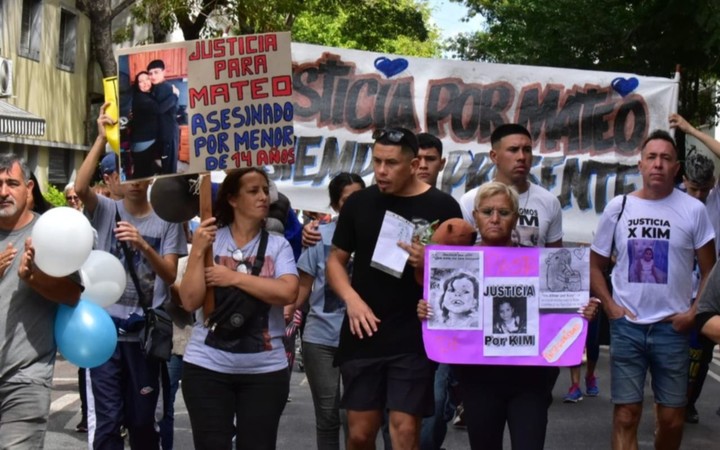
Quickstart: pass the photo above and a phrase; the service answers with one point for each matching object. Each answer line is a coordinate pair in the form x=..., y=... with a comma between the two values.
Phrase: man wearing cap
x=381, y=355
x=166, y=96
x=28, y=303
x=110, y=175
x=124, y=390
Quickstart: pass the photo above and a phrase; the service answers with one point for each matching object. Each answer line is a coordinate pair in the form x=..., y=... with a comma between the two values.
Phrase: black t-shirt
x=393, y=300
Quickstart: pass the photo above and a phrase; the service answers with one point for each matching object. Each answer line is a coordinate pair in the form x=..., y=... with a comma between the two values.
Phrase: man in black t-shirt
x=381, y=355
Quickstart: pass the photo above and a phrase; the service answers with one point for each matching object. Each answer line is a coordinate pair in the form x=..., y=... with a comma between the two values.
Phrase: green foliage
x=648, y=37
x=391, y=26
x=55, y=196
x=401, y=27
x=124, y=34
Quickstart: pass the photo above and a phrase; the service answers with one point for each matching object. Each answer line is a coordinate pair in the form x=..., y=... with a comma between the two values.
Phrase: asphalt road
x=585, y=425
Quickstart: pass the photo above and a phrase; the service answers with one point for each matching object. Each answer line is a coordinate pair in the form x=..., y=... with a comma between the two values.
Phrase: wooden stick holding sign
x=206, y=213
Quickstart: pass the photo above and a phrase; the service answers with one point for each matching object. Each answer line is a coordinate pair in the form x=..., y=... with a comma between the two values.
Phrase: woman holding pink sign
x=495, y=395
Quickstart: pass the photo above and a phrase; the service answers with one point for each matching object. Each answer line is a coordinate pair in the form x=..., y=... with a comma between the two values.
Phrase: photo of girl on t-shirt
x=648, y=261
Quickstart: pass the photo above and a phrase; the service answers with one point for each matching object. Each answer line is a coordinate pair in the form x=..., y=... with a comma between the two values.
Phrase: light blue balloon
x=85, y=334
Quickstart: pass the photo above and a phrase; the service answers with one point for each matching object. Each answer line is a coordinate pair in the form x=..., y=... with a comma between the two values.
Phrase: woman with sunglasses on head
x=322, y=329
x=494, y=395
x=236, y=383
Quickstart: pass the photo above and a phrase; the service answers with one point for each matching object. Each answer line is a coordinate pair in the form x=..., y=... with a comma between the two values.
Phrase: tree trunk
x=191, y=29
x=100, y=13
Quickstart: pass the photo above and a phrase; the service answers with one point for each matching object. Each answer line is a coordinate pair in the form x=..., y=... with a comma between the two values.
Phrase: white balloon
x=104, y=278
x=63, y=239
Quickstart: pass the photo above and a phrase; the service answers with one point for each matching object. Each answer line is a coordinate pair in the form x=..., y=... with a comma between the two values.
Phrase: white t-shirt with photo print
x=656, y=242
x=540, y=216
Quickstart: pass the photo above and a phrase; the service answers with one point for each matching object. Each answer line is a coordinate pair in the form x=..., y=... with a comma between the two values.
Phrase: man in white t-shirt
x=650, y=315
x=540, y=222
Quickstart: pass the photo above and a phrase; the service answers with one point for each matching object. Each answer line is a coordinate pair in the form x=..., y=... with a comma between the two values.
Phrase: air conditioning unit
x=6, y=77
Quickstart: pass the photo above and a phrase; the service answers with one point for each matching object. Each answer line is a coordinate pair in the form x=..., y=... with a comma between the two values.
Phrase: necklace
x=527, y=199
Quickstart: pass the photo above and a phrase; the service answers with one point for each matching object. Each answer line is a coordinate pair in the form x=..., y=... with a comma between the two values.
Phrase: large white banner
x=587, y=126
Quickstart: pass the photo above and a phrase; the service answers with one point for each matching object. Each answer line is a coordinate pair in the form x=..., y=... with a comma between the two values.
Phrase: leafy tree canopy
x=392, y=26
x=648, y=37
x=396, y=26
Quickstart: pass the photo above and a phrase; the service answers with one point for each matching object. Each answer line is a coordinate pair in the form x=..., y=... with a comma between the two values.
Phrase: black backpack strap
x=260, y=257
x=622, y=209
x=131, y=268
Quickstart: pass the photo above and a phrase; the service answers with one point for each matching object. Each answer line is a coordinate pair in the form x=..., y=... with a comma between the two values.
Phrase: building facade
x=44, y=59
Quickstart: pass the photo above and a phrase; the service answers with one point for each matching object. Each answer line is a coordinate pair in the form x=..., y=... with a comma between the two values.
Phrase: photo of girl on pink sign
x=455, y=288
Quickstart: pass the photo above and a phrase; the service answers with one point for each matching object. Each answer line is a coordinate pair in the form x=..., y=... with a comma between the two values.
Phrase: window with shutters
x=60, y=166
x=68, y=40
x=31, y=29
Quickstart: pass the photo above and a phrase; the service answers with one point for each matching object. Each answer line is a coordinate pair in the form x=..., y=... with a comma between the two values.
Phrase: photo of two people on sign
x=153, y=113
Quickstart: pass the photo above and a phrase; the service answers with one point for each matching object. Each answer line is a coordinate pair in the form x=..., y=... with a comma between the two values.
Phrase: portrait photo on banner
x=153, y=89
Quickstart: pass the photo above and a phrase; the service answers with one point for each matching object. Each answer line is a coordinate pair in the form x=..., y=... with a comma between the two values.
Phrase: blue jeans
x=171, y=385
x=324, y=381
x=434, y=428
x=636, y=348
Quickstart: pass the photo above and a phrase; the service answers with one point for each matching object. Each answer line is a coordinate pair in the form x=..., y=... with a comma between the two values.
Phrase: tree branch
x=120, y=8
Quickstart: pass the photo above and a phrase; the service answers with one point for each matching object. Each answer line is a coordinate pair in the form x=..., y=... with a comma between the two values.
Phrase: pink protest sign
x=506, y=305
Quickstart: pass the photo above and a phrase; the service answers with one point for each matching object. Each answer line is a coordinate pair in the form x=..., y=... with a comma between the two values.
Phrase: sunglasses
x=72, y=198
x=392, y=135
x=237, y=256
x=488, y=212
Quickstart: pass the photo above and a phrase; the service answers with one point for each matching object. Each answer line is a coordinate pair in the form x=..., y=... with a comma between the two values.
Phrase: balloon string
x=195, y=184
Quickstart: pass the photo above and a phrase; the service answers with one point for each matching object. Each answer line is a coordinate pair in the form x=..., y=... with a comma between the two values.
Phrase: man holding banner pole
x=657, y=231
x=381, y=355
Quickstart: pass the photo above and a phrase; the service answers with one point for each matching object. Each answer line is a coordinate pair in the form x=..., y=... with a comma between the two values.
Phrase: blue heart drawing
x=390, y=67
x=624, y=86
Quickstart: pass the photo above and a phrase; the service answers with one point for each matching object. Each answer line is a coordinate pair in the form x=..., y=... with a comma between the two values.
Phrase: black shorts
x=397, y=383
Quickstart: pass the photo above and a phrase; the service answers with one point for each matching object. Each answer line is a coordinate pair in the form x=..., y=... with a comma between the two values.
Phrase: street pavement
x=585, y=425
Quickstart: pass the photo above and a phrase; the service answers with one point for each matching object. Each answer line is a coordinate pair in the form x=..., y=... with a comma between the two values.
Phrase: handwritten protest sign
x=505, y=306
x=206, y=105
x=240, y=97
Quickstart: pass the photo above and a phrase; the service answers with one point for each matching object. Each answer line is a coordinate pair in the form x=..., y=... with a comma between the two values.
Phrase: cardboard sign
x=204, y=105
x=505, y=305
